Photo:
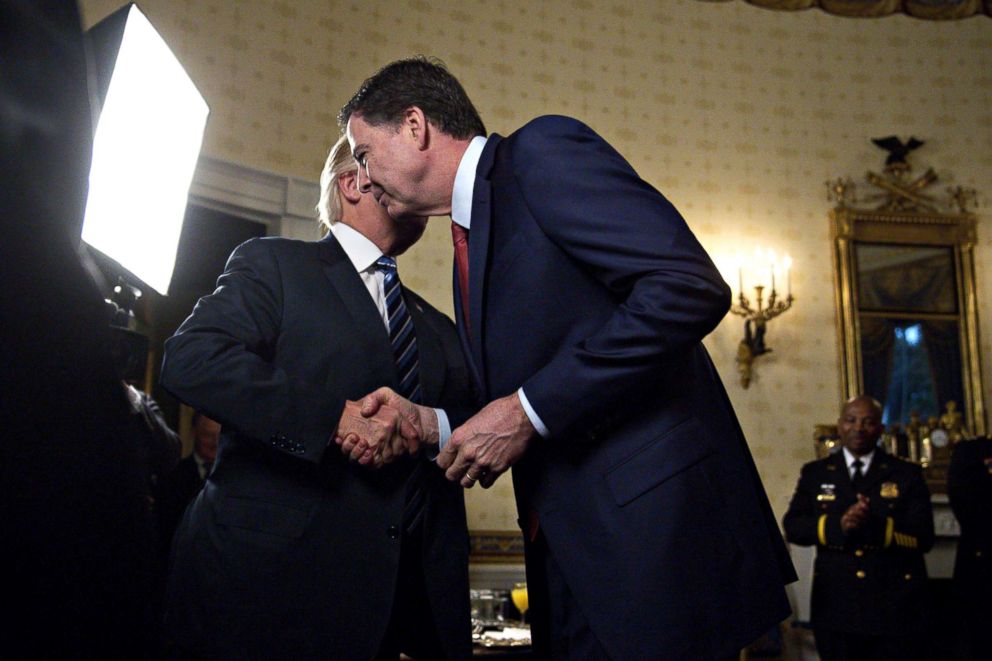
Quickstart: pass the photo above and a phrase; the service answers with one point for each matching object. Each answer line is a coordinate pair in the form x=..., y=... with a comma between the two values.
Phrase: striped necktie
x=401, y=334
x=404, y=341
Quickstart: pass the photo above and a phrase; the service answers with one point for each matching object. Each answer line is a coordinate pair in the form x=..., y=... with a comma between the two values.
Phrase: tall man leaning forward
x=582, y=298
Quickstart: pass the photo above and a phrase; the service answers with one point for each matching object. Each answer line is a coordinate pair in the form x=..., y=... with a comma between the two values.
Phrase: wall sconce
x=756, y=318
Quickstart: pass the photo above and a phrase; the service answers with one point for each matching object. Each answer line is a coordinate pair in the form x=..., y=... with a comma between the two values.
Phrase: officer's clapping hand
x=856, y=515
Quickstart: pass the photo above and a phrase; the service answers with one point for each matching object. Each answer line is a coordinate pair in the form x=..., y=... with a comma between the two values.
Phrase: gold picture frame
x=852, y=227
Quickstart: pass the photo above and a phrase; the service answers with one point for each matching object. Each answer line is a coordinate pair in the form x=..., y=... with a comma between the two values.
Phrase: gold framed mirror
x=907, y=317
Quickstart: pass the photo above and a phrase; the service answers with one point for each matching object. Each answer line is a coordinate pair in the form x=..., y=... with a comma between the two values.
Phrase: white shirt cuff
x=443, y=434
x=532, y=415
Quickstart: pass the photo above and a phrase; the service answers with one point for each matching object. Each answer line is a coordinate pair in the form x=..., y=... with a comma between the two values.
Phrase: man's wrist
x=532, y=415
x=441, y=432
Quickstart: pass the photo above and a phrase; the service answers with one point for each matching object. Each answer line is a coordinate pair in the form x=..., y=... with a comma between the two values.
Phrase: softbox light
x=145, y=150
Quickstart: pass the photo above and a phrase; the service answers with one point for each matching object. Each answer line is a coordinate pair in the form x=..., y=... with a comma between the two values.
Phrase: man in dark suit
x=869, y=516
x=582, y=298
x=179, y=487
x=290, y=551
x=969, y=487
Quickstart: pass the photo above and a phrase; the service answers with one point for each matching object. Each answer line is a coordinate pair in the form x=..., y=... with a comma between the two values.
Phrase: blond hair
x=339, y=162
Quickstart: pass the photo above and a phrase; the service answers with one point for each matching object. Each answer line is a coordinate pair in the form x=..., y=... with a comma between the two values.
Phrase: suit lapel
x=429, y=349
x=478, y=256
x=367, y=326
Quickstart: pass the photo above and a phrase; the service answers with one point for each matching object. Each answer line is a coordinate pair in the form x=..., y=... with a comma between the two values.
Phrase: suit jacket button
x=860, y=574
x=393, y=532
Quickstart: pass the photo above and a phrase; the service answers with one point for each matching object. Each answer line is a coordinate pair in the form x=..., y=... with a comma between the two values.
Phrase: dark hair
x=417, y=81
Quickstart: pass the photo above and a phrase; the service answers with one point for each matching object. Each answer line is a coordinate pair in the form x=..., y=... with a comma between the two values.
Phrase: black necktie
x=858, y=479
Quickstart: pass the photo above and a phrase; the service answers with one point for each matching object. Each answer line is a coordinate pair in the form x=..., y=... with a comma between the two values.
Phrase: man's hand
x=423, y=418
x=378, y=438
x=487, y=444
x=856, y=515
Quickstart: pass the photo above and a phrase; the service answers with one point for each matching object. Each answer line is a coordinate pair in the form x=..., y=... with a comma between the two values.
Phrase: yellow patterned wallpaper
x=737, y=114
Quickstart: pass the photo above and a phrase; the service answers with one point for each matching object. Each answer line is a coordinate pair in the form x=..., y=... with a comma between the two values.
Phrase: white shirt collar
x=360, y=250
x=865, y=460
x=201, y=465
x=461, y=196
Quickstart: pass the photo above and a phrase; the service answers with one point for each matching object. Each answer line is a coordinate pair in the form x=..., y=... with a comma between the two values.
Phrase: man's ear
x=415, y=125
x=348, y=186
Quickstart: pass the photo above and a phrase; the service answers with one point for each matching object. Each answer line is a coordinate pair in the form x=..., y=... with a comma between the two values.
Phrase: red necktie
x=459, y=236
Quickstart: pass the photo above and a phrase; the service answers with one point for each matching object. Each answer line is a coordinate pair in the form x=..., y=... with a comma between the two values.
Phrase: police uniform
x=969, y=486
x=869, y=587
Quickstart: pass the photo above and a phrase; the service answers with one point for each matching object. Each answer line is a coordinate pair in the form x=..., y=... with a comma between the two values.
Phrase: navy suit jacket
x=290, y=550
x=588, y=289
x=969, y=487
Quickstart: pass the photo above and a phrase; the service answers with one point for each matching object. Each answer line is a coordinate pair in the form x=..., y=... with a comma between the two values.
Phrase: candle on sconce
x=788, y=275
x=771, y=263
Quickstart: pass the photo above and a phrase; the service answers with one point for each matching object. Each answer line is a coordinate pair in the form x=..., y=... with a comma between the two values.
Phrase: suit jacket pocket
x=262, y=516
x=668, y=455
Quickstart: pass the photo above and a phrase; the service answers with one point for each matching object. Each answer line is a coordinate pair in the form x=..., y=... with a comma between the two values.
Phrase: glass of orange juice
x=519, y=596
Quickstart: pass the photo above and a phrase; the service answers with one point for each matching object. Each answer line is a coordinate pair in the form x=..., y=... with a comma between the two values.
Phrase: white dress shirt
x=201, y=466
x=363, y=255
x=461, y=213
x=865, y=462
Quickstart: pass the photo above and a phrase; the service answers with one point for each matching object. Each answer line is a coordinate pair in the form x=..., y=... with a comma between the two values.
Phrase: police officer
x=969, y=486
x=869, y=515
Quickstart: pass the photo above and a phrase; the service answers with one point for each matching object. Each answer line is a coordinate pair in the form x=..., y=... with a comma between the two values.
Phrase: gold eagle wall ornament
x=896, y=190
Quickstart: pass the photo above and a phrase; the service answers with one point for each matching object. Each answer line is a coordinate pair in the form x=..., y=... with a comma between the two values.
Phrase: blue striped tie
x=401, y=333
x=404, y=341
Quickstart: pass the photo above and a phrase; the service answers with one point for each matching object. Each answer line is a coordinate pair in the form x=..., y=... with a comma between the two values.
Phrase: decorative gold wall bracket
x=755, y=325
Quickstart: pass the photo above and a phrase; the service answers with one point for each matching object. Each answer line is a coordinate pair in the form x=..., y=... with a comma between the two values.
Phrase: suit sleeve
x=589, y=201
x=802, y=523
x=217, y=361
x=969, y=487
x=911, y=527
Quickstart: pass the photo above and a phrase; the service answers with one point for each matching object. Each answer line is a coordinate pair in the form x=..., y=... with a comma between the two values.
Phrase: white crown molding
x=284, y=204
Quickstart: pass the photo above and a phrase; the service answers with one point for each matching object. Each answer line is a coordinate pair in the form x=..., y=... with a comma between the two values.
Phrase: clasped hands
x=856, y=516
x=383, y=426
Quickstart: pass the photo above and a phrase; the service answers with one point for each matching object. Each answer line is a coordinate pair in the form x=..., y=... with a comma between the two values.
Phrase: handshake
x=383, y=426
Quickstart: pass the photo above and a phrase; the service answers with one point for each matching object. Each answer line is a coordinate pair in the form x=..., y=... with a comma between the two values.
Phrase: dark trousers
x=411, y=628
x=559, y=630
x=843, y=646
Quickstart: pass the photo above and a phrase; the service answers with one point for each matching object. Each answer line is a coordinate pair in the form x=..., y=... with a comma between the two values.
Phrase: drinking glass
x=519, y=596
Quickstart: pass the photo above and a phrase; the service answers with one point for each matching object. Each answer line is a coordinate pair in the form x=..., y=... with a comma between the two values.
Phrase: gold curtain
x=934, y=10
